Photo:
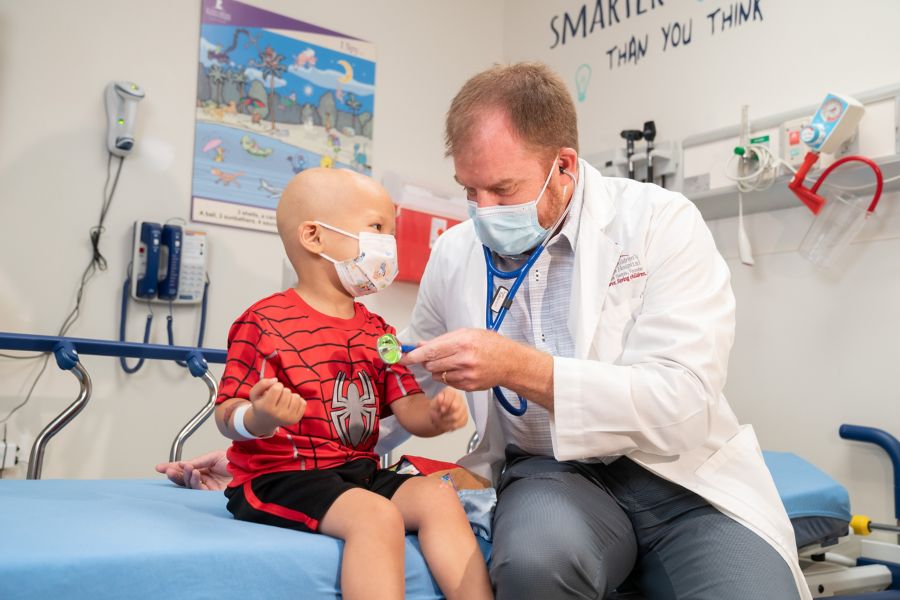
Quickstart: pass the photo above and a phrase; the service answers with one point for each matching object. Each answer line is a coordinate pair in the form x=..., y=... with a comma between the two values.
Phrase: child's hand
x=273, y=406
x=448, y=410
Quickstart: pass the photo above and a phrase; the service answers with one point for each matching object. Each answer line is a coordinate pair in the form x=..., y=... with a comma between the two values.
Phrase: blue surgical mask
x=513, y=229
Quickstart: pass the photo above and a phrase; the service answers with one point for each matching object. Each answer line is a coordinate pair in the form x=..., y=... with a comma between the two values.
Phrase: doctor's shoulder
x=642, y=208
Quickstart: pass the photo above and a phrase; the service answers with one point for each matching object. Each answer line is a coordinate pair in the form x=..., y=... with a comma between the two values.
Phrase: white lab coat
x=652, y=316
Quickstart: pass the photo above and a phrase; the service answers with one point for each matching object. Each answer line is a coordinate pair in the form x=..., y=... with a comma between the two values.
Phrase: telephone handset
x=169, y=263
x=145, y=261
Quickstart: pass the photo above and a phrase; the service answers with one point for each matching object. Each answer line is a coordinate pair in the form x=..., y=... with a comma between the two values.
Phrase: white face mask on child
x=375, y=267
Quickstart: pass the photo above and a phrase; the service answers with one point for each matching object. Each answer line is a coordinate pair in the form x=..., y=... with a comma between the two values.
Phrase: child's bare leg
x=432, y=508
x=374, y=542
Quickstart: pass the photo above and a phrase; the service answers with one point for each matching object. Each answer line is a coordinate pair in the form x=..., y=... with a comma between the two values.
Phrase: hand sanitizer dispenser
x=122, y=98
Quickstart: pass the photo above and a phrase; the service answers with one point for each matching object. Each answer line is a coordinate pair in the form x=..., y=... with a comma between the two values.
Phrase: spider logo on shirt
x=353, y=413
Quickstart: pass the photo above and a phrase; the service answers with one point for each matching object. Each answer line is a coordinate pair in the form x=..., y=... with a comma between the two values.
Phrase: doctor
x=628, y=468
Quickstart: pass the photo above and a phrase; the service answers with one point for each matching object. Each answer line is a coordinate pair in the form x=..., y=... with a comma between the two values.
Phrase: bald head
x=334, y=196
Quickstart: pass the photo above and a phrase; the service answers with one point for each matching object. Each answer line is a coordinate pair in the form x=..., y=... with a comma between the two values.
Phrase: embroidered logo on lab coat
x=628, y=268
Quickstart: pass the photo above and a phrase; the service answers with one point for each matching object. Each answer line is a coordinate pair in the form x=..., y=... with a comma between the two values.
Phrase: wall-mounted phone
x=168, y=263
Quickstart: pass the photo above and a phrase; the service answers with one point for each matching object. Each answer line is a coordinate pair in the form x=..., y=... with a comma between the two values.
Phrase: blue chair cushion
x=818, y=506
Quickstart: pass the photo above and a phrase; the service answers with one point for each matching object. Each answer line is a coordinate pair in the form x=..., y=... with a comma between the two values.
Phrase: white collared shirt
x=538, y=317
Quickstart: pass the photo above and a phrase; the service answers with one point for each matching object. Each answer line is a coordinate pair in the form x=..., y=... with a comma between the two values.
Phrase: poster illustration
x=275, y=96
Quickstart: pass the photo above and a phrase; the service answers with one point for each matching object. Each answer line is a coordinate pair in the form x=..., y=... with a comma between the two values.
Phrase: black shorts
x=299, y=499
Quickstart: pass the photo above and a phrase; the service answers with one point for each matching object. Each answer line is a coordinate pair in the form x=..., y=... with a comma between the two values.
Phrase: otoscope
x=630, y=136
x=649, y=135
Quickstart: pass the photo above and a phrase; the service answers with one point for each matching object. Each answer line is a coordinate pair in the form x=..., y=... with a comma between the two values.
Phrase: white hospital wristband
x=237, y=421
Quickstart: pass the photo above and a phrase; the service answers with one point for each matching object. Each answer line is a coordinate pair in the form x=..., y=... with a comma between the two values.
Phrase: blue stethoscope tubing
x=493, y=323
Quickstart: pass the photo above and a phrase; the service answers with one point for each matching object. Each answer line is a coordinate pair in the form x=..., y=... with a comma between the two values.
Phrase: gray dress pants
x=574, y=530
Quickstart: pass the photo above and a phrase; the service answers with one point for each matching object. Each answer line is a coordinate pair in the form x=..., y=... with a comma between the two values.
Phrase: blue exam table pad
x=150, y=539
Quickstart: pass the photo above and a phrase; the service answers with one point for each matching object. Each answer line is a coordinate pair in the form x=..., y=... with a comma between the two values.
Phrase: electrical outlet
x=9, y=455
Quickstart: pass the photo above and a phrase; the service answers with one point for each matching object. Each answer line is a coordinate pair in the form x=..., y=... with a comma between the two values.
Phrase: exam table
x=147, y=538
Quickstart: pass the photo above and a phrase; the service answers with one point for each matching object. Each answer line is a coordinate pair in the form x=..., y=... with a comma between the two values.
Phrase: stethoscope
x=499, y=302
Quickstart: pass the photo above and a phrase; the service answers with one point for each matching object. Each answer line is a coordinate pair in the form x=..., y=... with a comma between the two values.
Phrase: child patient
x=304, y=389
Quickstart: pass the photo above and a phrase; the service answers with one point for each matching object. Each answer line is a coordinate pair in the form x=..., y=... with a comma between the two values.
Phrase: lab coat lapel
x=474, y=305
x=596, y=257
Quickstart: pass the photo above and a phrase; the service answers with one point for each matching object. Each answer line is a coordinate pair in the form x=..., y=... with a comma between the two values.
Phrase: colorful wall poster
x=275, y=96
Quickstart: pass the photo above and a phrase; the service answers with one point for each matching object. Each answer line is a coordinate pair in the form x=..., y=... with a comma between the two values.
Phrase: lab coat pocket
x=613, y=326
x=736, y=480
x=728, y=458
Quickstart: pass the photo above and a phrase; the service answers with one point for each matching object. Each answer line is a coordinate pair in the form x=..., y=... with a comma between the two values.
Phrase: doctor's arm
x=478, y=359
x=467, y=359
x=660, y=394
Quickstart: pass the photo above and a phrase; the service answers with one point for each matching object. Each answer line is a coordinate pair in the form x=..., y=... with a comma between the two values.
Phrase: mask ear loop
x=337, y=230
x=541, y=197
x=547, y=181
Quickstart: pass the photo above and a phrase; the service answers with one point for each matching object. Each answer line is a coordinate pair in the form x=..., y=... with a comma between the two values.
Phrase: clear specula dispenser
x=834, y=228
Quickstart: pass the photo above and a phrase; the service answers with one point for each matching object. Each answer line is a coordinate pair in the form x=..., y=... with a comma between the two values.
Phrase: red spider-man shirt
x=332, y=363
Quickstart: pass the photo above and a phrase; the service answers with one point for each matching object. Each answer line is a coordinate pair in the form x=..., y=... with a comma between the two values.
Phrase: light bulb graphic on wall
x=582, y=79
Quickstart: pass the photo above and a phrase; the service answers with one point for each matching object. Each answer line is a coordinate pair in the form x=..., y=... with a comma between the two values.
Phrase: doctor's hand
x=478, y=359
x=274, y=406
x=206, y=472
x=448, y=410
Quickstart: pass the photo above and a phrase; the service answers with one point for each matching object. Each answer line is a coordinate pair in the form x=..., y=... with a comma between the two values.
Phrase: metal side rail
x=67, y=360
x=67, y=350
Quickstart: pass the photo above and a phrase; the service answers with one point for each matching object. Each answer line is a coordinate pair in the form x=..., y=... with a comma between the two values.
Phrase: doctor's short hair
x=535, y=98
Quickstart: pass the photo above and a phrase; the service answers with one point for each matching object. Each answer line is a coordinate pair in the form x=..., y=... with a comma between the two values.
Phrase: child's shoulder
x=373, y=319
x=272, y=305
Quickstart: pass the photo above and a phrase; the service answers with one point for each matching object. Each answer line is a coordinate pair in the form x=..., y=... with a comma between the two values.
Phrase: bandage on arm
x=231, y=420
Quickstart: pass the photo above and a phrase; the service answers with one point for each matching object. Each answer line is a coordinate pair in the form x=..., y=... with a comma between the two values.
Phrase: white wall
x=813, y=350
x=55, y=60
x=770, y=65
